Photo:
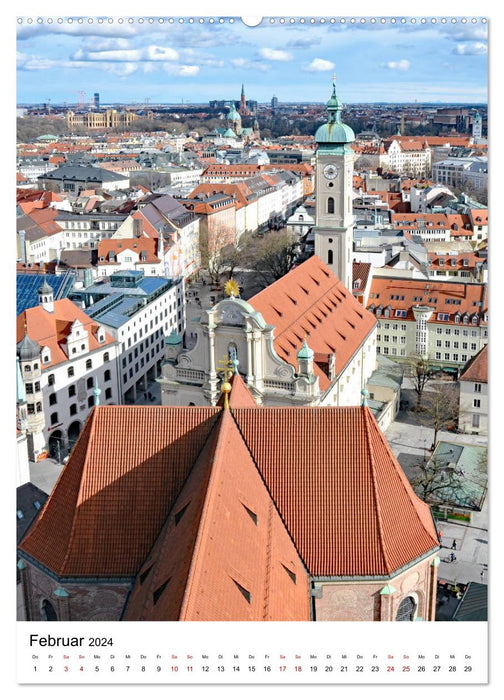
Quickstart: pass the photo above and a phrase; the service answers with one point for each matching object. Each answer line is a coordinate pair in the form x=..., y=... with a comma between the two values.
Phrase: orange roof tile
x=446, y=298
x=112, y=498
x=345, y=508
x=240, y=395
x=137, y=245
x=310, y=301
x=345, y=500
x=50, y=329
x=231, y=547
x=476, y=370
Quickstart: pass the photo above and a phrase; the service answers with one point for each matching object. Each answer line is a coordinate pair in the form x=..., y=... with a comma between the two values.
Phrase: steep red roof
x=220, y=514
x=117, y=489
x=476, y=370
x=228, y=558
x=240, y=396
x=360, y=275
x=51, y=329
x=311, y=302
x=345, y=500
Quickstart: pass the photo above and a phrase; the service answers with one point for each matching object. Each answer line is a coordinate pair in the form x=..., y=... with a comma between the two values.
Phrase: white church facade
x=304, y=340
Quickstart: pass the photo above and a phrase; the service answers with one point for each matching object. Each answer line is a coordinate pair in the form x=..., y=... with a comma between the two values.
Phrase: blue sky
x=168, y=62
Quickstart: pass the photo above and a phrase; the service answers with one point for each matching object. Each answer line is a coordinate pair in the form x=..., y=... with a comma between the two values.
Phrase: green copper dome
x=232, y=114
x=334, y=132
x=305, y=353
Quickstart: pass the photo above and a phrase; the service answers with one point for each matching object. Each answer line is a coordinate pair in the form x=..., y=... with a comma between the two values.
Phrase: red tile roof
x=117, y=489
x=229, y=553
x=447, y=298
x=51, y=329
x=136, y=245
x=240, y=395
x=360, y=275
x=310, y=301
x=345, y=500
x=476, y=370
x=219, y=514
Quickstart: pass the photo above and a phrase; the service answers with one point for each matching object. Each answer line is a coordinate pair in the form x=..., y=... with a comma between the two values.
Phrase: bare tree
x=421, y=374
x=436, y=480
x=272, y=256
x=441, y=408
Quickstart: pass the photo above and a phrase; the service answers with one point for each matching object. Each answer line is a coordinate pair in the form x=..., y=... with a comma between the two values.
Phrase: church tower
x=334, y=178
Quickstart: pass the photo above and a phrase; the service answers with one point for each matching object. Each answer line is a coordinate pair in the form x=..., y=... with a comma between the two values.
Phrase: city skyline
x=193, y=62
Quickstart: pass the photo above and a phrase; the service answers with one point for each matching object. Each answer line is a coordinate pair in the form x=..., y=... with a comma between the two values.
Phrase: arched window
x=329, y=257
x=406, y=611
x=330, y=205
x=47, y=611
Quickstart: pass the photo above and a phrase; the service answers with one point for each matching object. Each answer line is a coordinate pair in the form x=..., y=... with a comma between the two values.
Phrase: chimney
x=22, y=245
x=137, y=228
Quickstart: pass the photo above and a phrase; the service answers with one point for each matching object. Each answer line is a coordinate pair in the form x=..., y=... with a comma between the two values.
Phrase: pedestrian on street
x=440, y=533
x=454, y=544
x=453, y=557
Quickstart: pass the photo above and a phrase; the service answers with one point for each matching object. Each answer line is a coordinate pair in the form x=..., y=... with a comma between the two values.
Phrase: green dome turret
x=305, y=353
x=334, y=134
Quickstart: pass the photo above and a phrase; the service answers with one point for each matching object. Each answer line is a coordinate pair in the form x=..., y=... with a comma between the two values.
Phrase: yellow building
x=108, y=119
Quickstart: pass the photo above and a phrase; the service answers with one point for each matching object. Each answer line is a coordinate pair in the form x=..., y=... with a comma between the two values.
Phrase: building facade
x=68, y=362
x=304, y=340
x=139, y=312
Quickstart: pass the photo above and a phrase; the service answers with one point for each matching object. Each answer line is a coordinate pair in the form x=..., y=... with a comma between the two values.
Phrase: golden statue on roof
x=232, y=288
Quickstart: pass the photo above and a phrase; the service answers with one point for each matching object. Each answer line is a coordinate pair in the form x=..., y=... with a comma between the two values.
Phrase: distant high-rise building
x=274, y=102
x=96, y=99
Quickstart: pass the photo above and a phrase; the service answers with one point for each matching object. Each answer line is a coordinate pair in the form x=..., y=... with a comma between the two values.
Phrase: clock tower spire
x=334, y=175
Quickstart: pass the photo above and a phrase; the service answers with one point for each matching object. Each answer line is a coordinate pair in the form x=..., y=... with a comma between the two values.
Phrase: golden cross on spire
x=226, y=368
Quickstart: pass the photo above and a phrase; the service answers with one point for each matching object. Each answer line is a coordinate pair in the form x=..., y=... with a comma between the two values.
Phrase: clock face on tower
x=330, y=171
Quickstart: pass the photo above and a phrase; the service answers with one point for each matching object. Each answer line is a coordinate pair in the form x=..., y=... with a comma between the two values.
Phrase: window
x=107, y=376
x=477, y=403
x=106, y=357
x=329, y=257
x=330, y=205
x=108, y=393
x=50, y=379
x=90, y=401
x=406, y=610
x=475, y=420
x=73, y=409
x=89, y=364
x=89, y=383
x=54, y=418
x=52, y=399
x=477, y=388
x=70, y=372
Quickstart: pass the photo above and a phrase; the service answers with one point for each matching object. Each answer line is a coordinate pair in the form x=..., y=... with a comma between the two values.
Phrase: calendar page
x=252, y=348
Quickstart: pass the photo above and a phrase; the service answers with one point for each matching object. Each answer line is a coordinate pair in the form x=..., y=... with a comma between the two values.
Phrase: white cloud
x=149, y=53
x=476, y=48
x=247, y=64
x=319, y=64
x=181, y=71
x=401, y=65
x=275, y=55
x=120, y=69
